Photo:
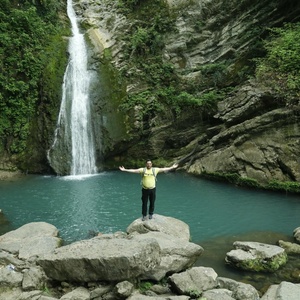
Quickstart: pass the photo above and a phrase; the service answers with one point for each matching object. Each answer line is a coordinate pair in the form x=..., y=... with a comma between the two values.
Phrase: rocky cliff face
x=251, y=133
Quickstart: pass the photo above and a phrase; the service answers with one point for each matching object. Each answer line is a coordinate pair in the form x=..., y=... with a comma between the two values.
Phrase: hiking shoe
x=150, y=217
x=144, y=218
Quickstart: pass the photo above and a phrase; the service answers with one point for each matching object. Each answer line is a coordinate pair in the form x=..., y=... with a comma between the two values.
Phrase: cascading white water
x=74, y=118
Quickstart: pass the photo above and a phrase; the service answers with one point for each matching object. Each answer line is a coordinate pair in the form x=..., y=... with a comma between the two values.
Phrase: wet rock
x=253, y=256
x=290, y=248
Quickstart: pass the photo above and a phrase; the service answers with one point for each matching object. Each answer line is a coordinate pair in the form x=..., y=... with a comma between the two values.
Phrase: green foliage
x=280, y=69
x=146, y=103
x=214, y=74
x=145, y=286
x=288, y=186
x=233, y=178
x=25, y=52
x=194, y=294
x=145, y=37
x=206, y=101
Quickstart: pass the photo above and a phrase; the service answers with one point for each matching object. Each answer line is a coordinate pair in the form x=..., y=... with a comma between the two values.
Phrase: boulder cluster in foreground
x=151, y=260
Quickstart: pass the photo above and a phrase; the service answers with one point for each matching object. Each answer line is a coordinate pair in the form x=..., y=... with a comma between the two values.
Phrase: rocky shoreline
x=151, y=260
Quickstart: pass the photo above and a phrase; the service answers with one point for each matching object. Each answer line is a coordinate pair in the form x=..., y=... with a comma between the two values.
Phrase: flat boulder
x=31, y=240
x=96, y=259
x=168, y=225
x=258, y=257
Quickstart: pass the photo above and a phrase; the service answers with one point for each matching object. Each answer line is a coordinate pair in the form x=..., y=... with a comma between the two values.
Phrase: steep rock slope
x=251, y=133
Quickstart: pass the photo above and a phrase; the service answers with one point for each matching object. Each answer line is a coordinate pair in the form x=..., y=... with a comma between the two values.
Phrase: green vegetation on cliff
x=163, y=89
x=30, y=68
x=280, y=69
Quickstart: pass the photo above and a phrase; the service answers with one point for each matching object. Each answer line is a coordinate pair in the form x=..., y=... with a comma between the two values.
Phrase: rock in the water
x=253, y=256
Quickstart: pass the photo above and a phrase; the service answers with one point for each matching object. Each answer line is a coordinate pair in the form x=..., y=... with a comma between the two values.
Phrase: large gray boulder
x=176, y=254
x=253, y=256
x=31, y=240
x=97, y=259
x=283, y=291
x=168, y=225
x=151, y=250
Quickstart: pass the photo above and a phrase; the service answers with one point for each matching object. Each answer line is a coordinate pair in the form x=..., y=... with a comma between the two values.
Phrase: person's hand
x=122, y=168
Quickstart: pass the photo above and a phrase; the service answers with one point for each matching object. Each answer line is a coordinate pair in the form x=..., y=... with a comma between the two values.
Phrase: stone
x=11, y=294
x=139, y=296
x=297, y=234
x=283, y=291
x=176, y=254
x=7, y=258
x=253, y=256
x=239, y=290
x=101, y=259
x=168, y=225
x=10, y=277
x=217, y=294
x=79, y=293
x=36, y=237
x=194, y=281
x=34, y=279
x=124, y=289
x=290, y=248
x=101, y=290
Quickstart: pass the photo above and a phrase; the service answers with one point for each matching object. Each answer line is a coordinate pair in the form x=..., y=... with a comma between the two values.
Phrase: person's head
x=148, y=164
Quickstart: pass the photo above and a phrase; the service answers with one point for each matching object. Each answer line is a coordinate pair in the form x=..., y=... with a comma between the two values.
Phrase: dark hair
x=148, y=160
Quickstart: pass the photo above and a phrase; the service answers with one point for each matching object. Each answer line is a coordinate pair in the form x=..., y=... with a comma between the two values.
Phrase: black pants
x=148, y=195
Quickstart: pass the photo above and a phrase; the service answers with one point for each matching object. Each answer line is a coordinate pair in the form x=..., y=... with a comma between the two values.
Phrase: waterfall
x=74, y=131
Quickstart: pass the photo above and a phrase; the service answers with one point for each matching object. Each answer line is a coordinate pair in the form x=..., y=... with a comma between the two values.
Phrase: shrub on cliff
x=280, y=69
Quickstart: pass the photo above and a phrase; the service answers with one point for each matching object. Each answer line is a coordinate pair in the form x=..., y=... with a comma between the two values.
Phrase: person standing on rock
x=148, y=182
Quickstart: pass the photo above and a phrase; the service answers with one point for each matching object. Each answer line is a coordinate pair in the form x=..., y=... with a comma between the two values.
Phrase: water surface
x=217, y=213
x=110, y=201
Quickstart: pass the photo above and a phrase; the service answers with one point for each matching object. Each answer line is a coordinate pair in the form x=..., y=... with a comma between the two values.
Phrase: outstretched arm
x=168, y=168
x=129, y=170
